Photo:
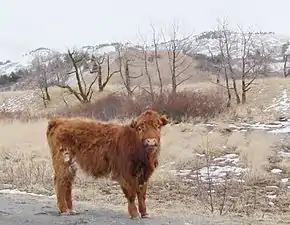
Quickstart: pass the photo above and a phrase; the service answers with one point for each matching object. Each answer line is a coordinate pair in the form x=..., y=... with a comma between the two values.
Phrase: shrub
x=23, y=116
x=105, y=108
x=182, y=106
x=185, y=105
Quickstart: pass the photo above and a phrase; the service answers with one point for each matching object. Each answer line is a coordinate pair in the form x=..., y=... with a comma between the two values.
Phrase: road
x=40, y=210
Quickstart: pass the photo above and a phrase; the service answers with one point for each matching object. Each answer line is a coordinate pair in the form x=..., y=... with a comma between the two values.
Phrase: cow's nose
x=150, y=142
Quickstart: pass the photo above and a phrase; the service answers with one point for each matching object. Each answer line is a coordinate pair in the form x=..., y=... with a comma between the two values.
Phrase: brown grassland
x=25, y=162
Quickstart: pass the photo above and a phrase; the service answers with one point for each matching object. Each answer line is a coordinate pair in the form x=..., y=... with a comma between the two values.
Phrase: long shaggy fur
x=105, y=150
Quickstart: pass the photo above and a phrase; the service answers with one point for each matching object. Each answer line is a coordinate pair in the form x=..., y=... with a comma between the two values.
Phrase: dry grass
x=259, y=97
x=25, y=164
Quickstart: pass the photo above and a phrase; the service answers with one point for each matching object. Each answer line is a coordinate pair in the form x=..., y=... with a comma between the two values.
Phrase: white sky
x=28, y=24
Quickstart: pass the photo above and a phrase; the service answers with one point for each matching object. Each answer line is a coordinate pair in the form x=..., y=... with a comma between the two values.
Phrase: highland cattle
x=126, y=153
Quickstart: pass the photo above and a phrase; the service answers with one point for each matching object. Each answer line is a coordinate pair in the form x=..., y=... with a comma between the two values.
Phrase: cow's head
x=148, y=125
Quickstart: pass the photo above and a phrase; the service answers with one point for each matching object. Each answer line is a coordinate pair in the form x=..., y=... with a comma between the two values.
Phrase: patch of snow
x=280, y=104
x=228, y=158
x=16, y=191
x=281, y=131
x=200, y=155
x=219, y=168
x=271, y=204
x=217, y=173
x=19, y=103
x=240, y=180
x=284, y=180
x=261, y=126
x=272, y=187
x=271, y=196
x=276, y=171
x=284, y=154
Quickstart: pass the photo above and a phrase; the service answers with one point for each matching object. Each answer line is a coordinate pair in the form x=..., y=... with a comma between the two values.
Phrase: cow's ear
x=133, y=124
x=164, y=120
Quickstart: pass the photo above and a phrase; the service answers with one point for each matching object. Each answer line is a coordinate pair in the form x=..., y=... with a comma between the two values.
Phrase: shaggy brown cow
x=127, y=154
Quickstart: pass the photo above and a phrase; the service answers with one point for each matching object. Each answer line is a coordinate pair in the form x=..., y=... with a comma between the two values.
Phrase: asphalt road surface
x=38, y=210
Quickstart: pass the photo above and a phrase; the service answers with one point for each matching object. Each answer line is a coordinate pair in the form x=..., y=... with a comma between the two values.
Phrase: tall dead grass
x=25, y=163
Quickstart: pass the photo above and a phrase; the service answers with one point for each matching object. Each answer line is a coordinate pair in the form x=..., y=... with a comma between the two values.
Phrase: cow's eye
x=139, y=129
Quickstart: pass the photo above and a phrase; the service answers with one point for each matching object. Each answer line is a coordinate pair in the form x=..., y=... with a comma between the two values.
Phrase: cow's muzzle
x=150, y=142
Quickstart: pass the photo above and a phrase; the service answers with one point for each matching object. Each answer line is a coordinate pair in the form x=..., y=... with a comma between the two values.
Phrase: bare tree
x=124, y=69
x=254, y=60
x=241, y=55
x=98, y=63
x=148, y=75
x=286, y=55
x=42, y=72
x=84, y=91
x=179, y=62
x=147, y=59
x=155, y=39
x=220, y=65
x=227, y=45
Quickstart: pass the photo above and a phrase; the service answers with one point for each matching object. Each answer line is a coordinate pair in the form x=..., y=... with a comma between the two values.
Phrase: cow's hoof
x=136, y=217
x=69, y=213
x=146, y=215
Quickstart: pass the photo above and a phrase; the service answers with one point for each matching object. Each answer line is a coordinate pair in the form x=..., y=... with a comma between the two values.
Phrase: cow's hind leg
x=130, y=195
x=141, y=195
x=63, y=180
x=63, y=187
x=60, y=193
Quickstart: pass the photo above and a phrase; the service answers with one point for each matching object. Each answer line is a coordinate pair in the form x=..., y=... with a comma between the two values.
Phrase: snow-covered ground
x=229, y=166
x=280, y=104
x=217, y=170
x=19, y=102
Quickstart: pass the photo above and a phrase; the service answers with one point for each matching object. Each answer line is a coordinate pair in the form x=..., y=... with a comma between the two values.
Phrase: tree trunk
x=100, y=81
x=173, y=78
x=128, y=80
x=47, y=96
x=43, y=97
x=158, y=71
x=236, y=91
x=244, y=99
x=243, y=91
x=149, y=77
x=285, y=57
x=228, y=89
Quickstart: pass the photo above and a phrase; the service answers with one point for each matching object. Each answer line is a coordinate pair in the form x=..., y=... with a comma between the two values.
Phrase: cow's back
x=87, y=141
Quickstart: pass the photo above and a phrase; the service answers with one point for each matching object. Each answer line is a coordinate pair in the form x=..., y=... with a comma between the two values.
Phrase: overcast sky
x=28, y=24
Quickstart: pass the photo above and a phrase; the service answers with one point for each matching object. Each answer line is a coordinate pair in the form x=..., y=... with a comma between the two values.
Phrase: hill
x=201, y=51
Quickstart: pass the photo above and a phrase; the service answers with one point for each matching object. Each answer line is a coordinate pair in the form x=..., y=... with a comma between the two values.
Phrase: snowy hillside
x=26, y=61
x=267, y=43
x=206, y=43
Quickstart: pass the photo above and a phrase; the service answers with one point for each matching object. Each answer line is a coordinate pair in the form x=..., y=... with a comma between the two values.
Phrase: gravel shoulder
x=24, y=208
x=34, y=210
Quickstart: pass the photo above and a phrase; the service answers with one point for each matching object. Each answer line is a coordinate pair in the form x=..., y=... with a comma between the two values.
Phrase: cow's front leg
x=130, y=194
x=141, y=195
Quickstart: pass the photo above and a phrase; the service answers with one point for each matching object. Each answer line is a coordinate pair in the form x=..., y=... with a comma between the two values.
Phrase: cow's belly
x=94, y=165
